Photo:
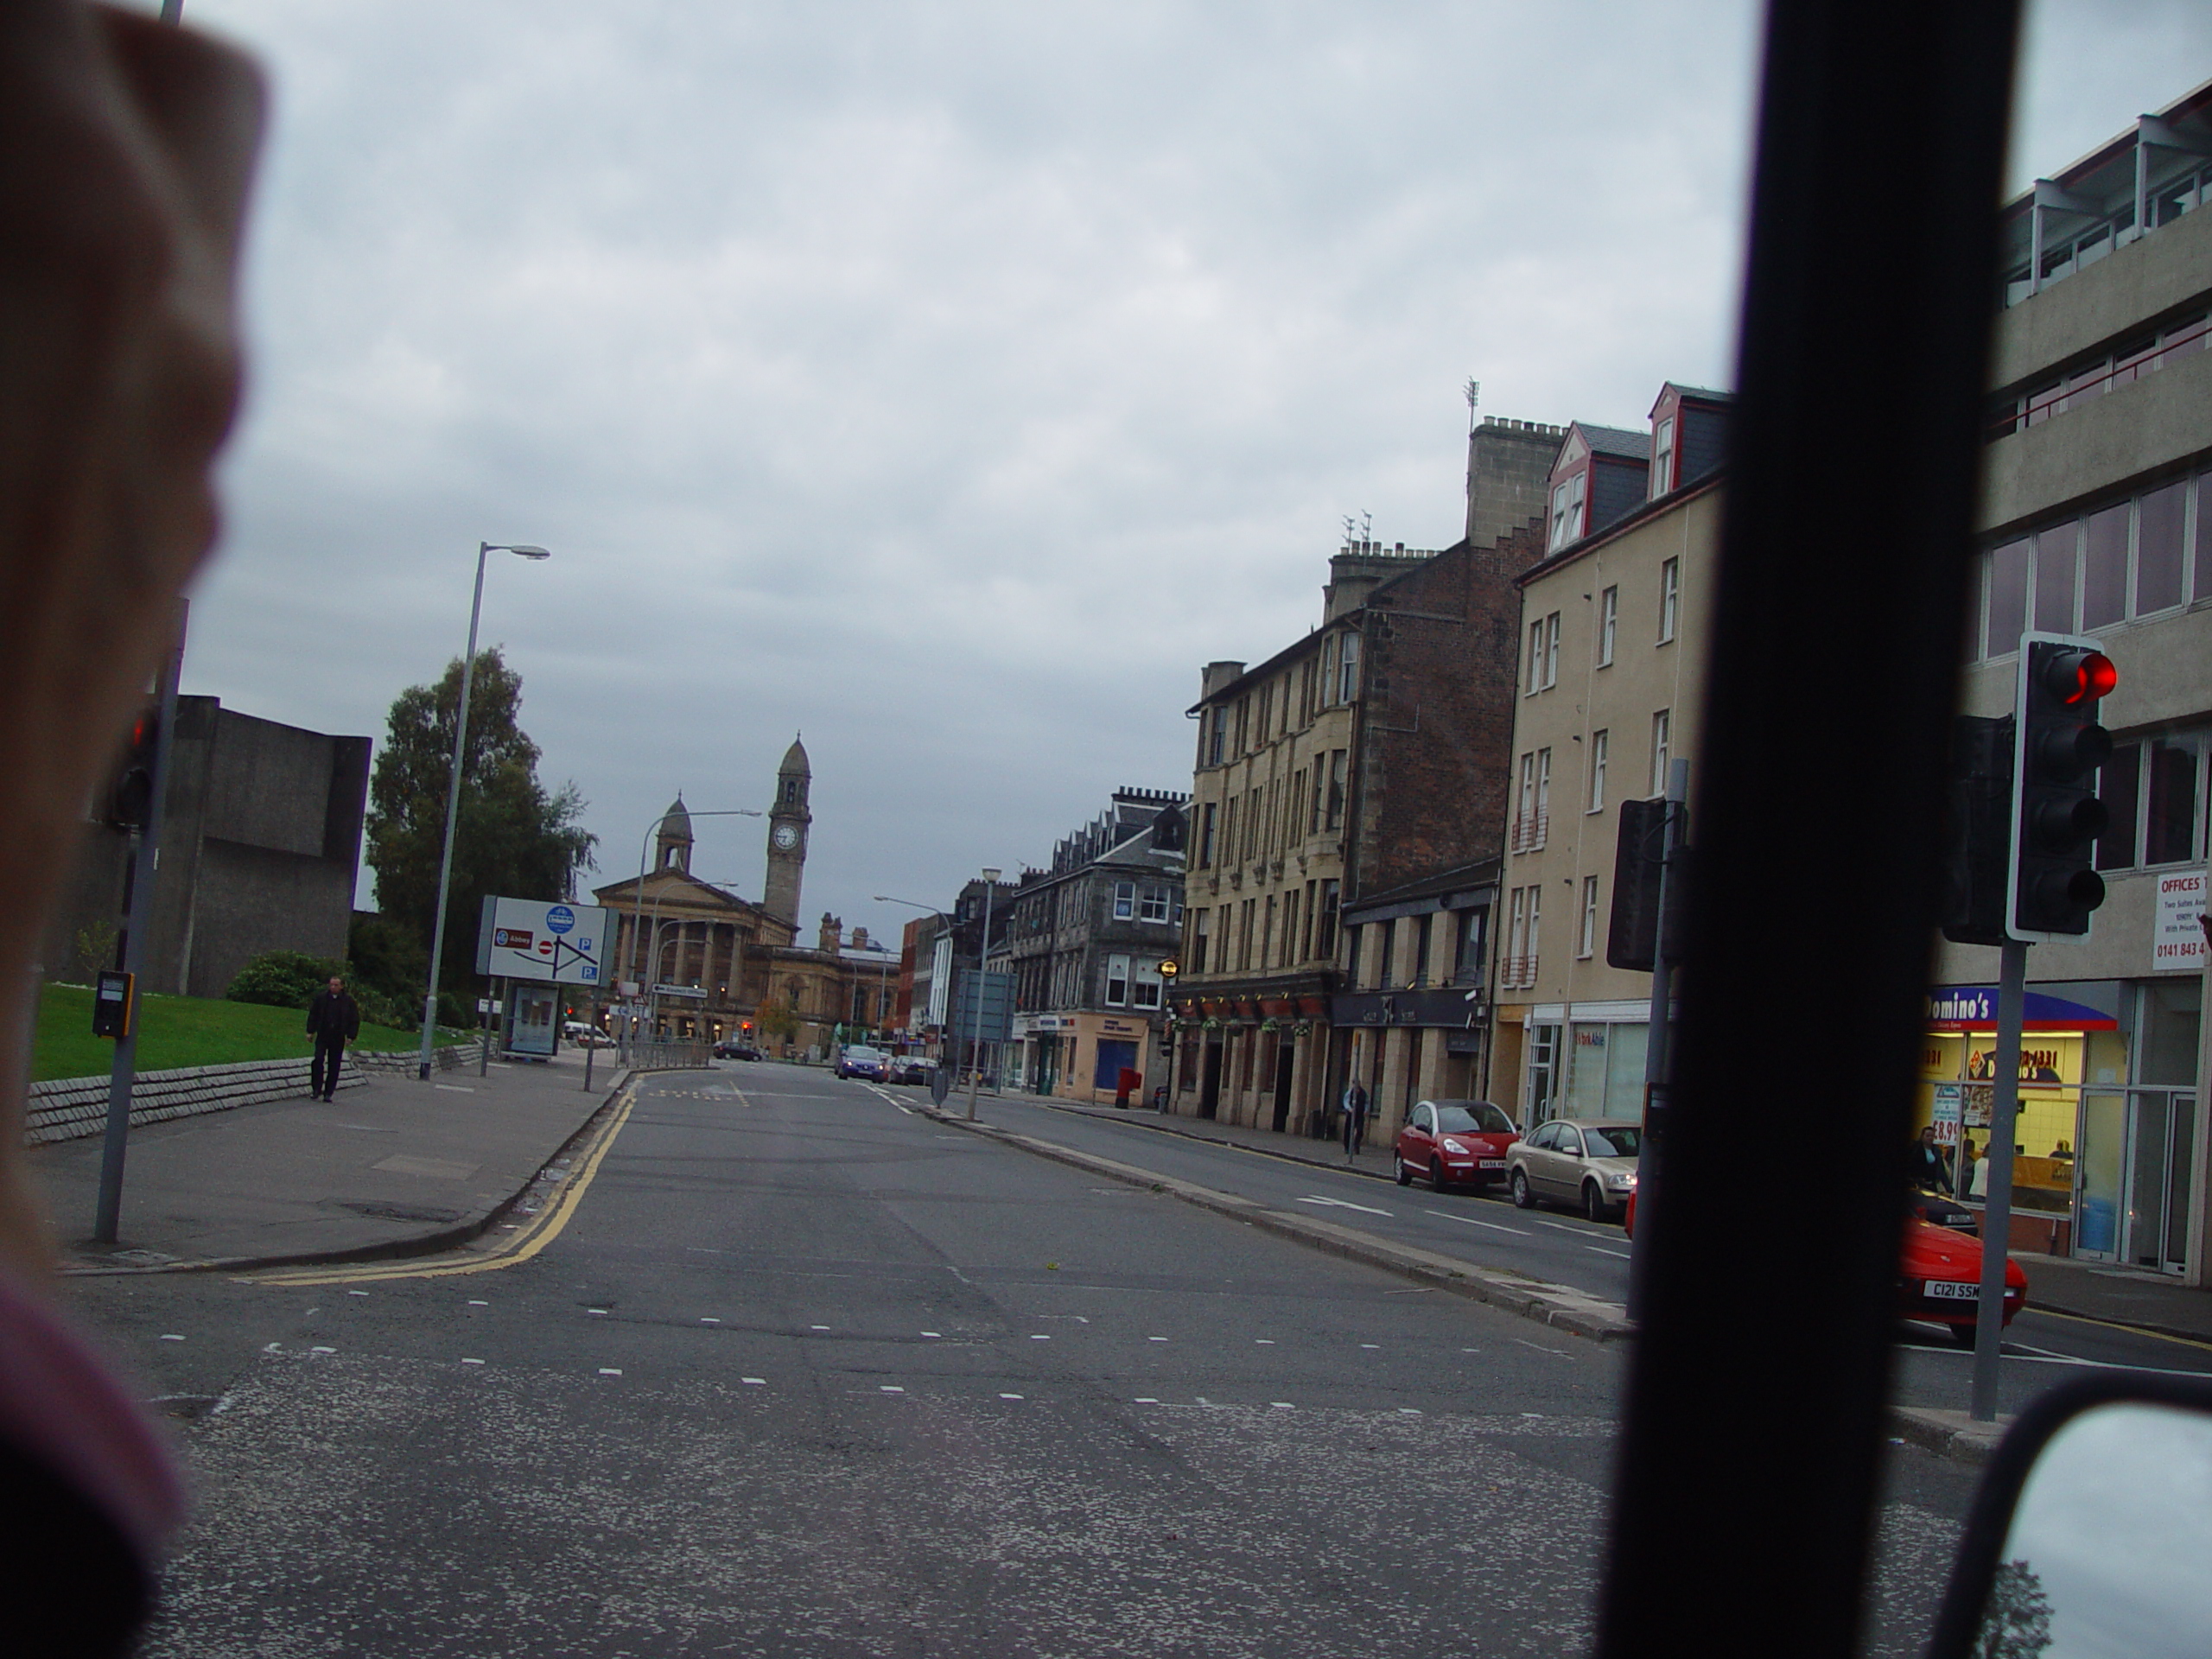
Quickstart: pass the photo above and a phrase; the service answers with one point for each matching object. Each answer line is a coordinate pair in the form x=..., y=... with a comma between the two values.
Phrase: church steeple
x=672, y=841
x=788, y=818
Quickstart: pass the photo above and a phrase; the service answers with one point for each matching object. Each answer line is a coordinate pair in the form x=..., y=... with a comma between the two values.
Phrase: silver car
x=1590, y=1164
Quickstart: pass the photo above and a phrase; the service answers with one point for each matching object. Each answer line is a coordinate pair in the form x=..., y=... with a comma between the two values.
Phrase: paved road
x=805, y=1374
x=1556, y=1245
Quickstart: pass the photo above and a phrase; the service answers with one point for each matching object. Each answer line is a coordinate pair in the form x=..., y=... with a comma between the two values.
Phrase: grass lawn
x=175, y=1031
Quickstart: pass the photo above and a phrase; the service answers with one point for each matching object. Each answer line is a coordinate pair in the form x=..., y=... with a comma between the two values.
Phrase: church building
x=713, y=963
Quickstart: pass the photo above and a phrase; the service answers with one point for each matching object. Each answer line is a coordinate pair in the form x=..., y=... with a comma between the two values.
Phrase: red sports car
x=1454, y=1143
x=1939, y=1276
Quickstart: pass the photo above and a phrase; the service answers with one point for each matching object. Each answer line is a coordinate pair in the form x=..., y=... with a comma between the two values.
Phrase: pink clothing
x=60, y=1407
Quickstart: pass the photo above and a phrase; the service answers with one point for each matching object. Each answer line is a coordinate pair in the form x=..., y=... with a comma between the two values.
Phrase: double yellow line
x=541, y=1229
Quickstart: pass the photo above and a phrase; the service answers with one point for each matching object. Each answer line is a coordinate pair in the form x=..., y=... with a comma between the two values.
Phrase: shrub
x=282, y=979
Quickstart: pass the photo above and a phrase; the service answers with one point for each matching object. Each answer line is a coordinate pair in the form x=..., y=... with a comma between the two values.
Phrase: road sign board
x=530, y=938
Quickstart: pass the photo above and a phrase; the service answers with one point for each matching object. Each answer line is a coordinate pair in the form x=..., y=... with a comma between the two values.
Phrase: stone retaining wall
x=69, y=1107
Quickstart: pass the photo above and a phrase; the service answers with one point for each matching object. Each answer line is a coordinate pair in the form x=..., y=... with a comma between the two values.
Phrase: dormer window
x=1568, y=502
x=1663, y=459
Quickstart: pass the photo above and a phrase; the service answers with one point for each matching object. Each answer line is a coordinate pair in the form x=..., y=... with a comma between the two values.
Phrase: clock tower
x=787, y=821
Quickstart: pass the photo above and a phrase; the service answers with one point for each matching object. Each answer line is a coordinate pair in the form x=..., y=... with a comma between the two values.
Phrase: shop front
x=2104, y=1140
x=1582, y=1060
x=1079, y=1056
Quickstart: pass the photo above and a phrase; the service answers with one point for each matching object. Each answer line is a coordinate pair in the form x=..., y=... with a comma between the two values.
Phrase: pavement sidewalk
x=395, y=1168
x=1374, y=1157
x=2090, y=1290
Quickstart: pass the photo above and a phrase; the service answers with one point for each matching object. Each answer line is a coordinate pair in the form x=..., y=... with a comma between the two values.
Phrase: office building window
x=1348, y=668
x=1336, y=816
x=1125, y=900
x=1517, y=938
x=1663, y=732
x=1469, y=942
x=1206, y=836
x=1551, y=651
x=1325, y=945
x=1424, y=941
x=1663, y=459
x=1609, y=616
x=1153, y=906
x=1535, y=675
x=1117, y=982
x=1201, y=921
x=1670, y=598
x=2090, y=571
x=1386, y=947
x=1588, y=942
x=1600, y=743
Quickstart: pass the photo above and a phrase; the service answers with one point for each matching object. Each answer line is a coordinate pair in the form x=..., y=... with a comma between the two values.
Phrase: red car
x=1454, y=1143
x=1939, y=1276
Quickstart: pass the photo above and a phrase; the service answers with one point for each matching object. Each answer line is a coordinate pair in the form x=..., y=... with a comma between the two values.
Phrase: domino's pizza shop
x=2105, y=1136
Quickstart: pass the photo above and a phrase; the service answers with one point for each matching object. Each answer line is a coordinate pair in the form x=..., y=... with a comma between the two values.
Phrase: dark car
x=858, y=1060
x=1939, y=1211
x=736, y=1051
x=1454, y=1143
x=912, y=1068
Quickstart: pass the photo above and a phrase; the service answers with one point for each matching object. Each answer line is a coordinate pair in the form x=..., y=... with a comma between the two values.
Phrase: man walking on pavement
x=1355, y=1117
x=334, y=1021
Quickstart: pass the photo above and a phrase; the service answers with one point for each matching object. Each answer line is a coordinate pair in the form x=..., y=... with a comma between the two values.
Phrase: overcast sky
x=947, y=381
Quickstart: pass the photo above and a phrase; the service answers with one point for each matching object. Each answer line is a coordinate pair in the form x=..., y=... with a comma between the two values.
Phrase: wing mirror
x=2091, y=1530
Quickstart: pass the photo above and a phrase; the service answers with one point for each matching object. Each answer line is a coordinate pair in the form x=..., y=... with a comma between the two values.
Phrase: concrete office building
x=260, y=849
x=2096, y=519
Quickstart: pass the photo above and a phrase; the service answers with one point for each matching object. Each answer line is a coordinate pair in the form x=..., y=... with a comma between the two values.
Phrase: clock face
x=786, y=836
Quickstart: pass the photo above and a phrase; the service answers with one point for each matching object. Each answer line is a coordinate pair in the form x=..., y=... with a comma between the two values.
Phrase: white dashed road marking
x=170, y=1336
x=754, y=1382
x=1346, y=1203
x=609, y=1371
x=1495, y=1226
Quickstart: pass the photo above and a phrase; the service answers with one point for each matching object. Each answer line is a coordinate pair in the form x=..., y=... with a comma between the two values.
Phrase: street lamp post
x=523, y=550
x=982, y=979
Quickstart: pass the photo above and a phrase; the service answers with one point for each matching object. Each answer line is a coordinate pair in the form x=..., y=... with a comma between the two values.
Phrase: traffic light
x=130, y=802
x=2056, y=816
x=1978, y=830
x=1632, y=929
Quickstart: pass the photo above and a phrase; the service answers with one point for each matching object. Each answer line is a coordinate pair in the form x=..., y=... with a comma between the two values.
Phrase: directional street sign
x=530, y=938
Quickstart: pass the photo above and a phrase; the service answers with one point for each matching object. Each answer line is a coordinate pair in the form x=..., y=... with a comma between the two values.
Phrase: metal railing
x=666, y=1054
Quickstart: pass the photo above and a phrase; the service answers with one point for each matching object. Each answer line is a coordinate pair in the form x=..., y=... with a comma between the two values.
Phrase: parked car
x=1453, y=1142
x=1940, y=1211
x=736, y=1050
x=858, y=1060
x=1588, y=1164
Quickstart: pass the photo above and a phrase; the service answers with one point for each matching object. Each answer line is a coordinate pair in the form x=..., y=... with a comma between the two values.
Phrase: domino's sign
x=530, y=938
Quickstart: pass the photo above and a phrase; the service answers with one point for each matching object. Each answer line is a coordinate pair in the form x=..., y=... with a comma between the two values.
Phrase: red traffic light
x=2077, y=677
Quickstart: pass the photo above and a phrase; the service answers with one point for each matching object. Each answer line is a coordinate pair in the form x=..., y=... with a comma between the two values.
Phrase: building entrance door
x=1286, y=1060
x=2162, y=1125
x=1048, y=1065
x=2099, y=1158
x=1209, y=1082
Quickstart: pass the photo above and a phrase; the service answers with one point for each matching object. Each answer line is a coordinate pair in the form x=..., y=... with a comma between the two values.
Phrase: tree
x=2016, y=1621
x=514, y=839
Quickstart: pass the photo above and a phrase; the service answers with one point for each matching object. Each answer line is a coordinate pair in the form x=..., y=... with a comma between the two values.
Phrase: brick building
x=1365, y=757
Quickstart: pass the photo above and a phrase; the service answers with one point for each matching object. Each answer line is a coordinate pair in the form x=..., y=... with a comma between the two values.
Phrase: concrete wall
x=2094, y=308
x=260, y=851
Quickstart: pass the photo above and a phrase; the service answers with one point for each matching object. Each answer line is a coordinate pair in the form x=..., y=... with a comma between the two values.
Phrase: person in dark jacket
x=334, y=1021
x=1355, y=1117
x=1929, y=1172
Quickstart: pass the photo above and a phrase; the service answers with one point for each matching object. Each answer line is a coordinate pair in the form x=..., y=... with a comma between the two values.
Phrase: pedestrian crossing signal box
x=114, y=1001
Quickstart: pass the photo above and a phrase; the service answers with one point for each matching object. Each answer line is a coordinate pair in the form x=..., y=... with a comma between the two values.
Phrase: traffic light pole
x=146, y=856
x=1650, y=1149
x=1997, y=1212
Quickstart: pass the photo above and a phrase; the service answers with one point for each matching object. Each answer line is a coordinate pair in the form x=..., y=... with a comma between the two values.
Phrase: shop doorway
x=1286, y=1060
x=1543, y=1075
x=1209, y=1082
x=1048, y=1065
x=2161, y=1137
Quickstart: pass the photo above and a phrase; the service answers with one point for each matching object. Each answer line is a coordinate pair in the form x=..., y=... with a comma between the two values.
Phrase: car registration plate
x=1950, y=1290
x=1493, y=1163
